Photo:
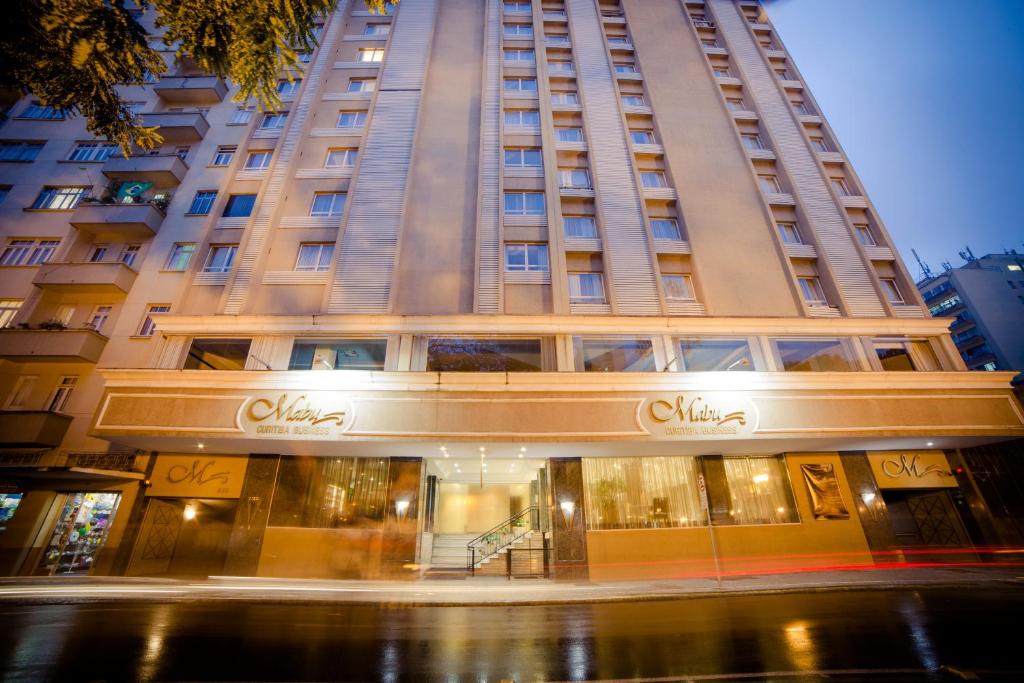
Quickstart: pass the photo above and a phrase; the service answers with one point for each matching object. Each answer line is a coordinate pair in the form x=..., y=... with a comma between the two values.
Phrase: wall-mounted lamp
x=189, y=513
x=868, y=497
x=568, y=512
x=401, y=509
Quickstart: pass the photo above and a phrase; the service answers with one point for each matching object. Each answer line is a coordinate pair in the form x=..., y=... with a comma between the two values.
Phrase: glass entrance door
x=81, y=530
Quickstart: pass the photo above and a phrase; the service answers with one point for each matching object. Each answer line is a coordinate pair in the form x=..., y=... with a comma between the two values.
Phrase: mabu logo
x=298, y=410
x=177, y=474
x=694, y=411
x=911, y=467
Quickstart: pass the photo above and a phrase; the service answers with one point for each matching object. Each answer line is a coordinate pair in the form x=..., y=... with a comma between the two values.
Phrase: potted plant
x=53, y=325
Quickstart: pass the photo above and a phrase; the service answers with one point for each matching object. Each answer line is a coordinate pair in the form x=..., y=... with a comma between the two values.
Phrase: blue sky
x=927, y=99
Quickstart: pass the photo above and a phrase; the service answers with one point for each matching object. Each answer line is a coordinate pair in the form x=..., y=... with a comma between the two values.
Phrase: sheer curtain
x=641, y=493
x=760, y=491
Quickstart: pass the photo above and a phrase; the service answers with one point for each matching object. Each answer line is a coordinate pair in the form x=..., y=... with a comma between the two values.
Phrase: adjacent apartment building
x=985, y=299
x=549, y=287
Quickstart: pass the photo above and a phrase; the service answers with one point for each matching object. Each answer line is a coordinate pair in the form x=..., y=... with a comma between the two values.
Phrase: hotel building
x=574, y=288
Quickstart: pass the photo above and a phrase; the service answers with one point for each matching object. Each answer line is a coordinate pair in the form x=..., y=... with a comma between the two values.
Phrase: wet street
x=880, y=635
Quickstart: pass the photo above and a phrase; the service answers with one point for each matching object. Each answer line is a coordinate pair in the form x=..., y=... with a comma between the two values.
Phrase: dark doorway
x=183, y=537
x=924, y=518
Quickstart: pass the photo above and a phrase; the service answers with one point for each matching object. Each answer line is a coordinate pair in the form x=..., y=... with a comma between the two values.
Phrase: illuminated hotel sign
x=703, y=415
x=196, y=476
x=297, y=414
x=911, y=470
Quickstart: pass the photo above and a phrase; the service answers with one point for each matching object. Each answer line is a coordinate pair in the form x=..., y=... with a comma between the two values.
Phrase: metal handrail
x=506, y=535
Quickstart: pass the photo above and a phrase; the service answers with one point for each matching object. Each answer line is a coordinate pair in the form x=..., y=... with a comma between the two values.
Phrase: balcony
x=109, y=277
x=163, y=170
x=51, y=346
x=131, y=221
x=32, y=428
x=191, y=90
x=177, y=127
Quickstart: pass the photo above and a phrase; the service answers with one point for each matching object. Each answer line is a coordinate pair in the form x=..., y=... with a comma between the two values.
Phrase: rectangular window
x=711, y=354
x=864, y=235
x=338, y=354
x=64, y=314
x=522, y=117
x=371, y=54
x=721, y=72
x=735, y=104
x=579, y=226
x=99, y=253
x=99, y=317
x=8, y=309
x=377, y=30
x=574, y=179
x=556, y=39
x=220, y=258
x=518, y=30
x=678, y=287
x=92, y=151
x=148, y=326
x=653, y=179
x=665, y=229
x=815, y=355
x=41, y=112
x=618, y=42
x=523, y=258
x=769, y=184
x=788, y=233
x=759, y=491
x=202, y=202
x=523, y=56
x=517, y=7
x=304, y=56
x=19, y=397
x=59, y=198
x=21, y=252
x=331, y=493
x=560, y=67
x=217, y=354
x=258, y=160
x=524, y=203
x=586, y=288
x=341, y=158
x=523, y=157
x=521, y=84
x=61, y=395
x=19, y=150
x=634, y=101
x=328, y=204
x=892, y=290
x=613, y=355
x=810, y=287
x=565, y=98
x=569, y=134
x=642, y=493
x=129, y=253
x=181, y=254
x=901, y=355
x=483, y=355
x=273, y=120
x=242, y=116
x=709, y=42
x=315, y=257
x=362, y=85
x=224, y=155
x=239, y=205
x=841, y=187
x=626, y=69
x=351, y=119
x=641, y=137
x=752, y=141
x=818, y=144
x=783, y=74
x=286, y=87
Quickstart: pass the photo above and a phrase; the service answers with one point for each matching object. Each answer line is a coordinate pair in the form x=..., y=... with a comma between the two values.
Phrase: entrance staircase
x=527, y=558
x=449, y=552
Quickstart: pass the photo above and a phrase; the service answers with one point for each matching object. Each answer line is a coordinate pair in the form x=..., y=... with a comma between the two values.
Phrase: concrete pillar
x=867, y=499
x=252, y=515
x=401, y=520
x=569, y=529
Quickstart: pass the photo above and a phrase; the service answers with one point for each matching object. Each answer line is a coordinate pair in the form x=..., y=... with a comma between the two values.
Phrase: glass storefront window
x=816, y=355
x=641, y=493
x=708, y=354
x=338, y=354
x=80, y=532
x=330, y=493
x=896, y=355
x=613, y=355
x=484, y=355
x=9, y=503
x=217, y=354
x=759, y=491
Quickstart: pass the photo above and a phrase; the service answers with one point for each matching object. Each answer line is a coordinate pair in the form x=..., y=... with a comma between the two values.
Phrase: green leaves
x=73, y=54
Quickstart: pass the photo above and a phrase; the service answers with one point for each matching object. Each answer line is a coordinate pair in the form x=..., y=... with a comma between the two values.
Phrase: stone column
x=568, y=519
x=867, y=499
x=252, y=515
x=401, y=520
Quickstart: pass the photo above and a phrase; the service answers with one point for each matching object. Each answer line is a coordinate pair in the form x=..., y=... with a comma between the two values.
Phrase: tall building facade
x=985, y=299
x=561, y=287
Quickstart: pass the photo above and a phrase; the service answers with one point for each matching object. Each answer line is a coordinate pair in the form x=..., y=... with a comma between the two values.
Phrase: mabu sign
x=288, y=414
x=702, y=414
x=911, y=470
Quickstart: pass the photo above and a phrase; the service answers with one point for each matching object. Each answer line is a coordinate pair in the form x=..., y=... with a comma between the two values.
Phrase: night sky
x=927, y=99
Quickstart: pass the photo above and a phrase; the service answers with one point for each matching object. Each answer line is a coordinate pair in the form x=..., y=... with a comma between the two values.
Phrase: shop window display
x=9, y=503
x=80, y=532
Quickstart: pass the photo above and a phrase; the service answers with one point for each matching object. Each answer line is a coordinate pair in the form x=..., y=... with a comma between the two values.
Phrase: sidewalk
x=489, y=591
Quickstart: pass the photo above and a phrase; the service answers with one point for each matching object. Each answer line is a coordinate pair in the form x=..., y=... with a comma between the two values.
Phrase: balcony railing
x=32, y=428
x=22, y=345
x=178, y=127
x=163, y=170
x=191, y=89
x=103, y=277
